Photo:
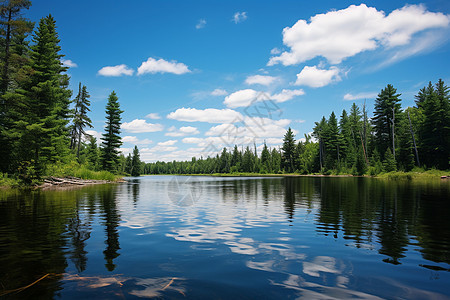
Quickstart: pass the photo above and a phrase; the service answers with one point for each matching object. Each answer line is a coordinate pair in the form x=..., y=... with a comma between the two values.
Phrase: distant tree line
x=40, y=126
x=393, y=139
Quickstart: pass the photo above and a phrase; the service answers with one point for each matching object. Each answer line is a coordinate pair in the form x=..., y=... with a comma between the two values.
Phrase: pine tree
x=265, y=160
x=14, y=27
x=248, y=160
x=92, y=154
x=347, y=148
x=43, y=102
x=319, y=132
x=135, y=163
x=332, y=142
x=389, y=163
x=111, y=138
x=288, y=151
x=14, y=31
x=80, y=118
x=387, y=109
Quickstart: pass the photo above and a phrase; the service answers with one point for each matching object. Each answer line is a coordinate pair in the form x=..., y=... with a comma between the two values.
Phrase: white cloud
x=209, y=115
x=337, y=35
x=139, y=126
x=275, y=51
x=168, y=143
x=219, y=92
x=314, y=77
x=239, y=17
x=126, y=151
x=252, y=128
x=95, y=134
x=68, y=63
x=153, y=116
x=162, y=66
x=129, y=139
x=261, y=79
x=201, y=24
x=134, y=140
x=286, y=95
x=115, y=71
x=183, y=131
x=161, y=148
x=247, y=97
x=241, y=98
x=192, y=140
x=350, y=97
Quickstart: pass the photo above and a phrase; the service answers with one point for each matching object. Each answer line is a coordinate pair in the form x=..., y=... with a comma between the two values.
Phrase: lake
x=228, y=238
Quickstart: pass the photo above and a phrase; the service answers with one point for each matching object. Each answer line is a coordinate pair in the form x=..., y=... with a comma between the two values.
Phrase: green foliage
x=288, y=152
x=74, y=169
x=387, y=108
x=27, y=173
x=389, y=163
x=111, y=138
x=135, y=163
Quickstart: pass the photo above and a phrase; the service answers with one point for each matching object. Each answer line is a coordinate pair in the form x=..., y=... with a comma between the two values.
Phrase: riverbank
x=429, y=174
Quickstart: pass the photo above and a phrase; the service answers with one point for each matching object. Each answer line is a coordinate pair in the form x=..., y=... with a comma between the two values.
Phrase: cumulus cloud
x=286, y=95
x=153, y=116
x=247, y=97
x=241, y=98
x=315, y=77
x=337, y=35
x=139, y=126
x=239, y=17
x=68, y=63
x=251, y=127
x=275, y=51
x=351, y=97
x=134, y=140
x=167, y=143
x=201, y=24
x=182, y=131
x=209, y=115
x=162, y=66
x=250, y=131
x=115, y=71
x=261, y=79
x=161, y=148
x=219, y=92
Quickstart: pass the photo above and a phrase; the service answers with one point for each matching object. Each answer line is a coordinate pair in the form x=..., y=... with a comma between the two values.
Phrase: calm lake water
x=228, y=238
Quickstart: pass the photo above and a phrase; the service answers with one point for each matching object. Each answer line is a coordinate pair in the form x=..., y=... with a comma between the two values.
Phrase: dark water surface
x=228, y=238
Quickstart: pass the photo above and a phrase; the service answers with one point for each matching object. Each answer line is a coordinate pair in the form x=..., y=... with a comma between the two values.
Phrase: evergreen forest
x=42, y=128
x=43, y=125
x=393, y=139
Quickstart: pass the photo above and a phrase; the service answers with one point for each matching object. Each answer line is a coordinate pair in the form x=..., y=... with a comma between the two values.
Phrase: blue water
x=228, y=238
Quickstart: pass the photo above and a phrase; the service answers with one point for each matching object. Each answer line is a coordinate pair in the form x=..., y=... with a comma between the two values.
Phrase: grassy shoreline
x=7, y=182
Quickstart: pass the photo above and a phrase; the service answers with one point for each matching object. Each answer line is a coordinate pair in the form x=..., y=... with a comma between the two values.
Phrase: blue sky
x=195, y=76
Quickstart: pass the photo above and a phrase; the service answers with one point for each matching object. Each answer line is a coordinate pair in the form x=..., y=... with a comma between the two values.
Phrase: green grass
x=416, y=173
x=8, y=182
x=81, y=171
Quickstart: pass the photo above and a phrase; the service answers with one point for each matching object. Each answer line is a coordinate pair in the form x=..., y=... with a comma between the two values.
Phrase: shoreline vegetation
x=43, y=130
x=85, y=177
x=397, y=175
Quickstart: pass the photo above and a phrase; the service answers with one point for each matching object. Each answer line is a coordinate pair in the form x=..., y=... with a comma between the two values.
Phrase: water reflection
x=303, y=237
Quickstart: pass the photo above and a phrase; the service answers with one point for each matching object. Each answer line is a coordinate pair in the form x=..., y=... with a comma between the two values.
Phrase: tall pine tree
x=387, y=109
x=288, y=151
x=43, y=101
x=111, y=138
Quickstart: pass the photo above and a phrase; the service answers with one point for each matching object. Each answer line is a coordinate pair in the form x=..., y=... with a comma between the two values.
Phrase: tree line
x=393, y=139
x=40, y=125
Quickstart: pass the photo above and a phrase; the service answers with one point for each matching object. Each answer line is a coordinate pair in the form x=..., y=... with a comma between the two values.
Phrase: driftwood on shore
x=51, y=182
